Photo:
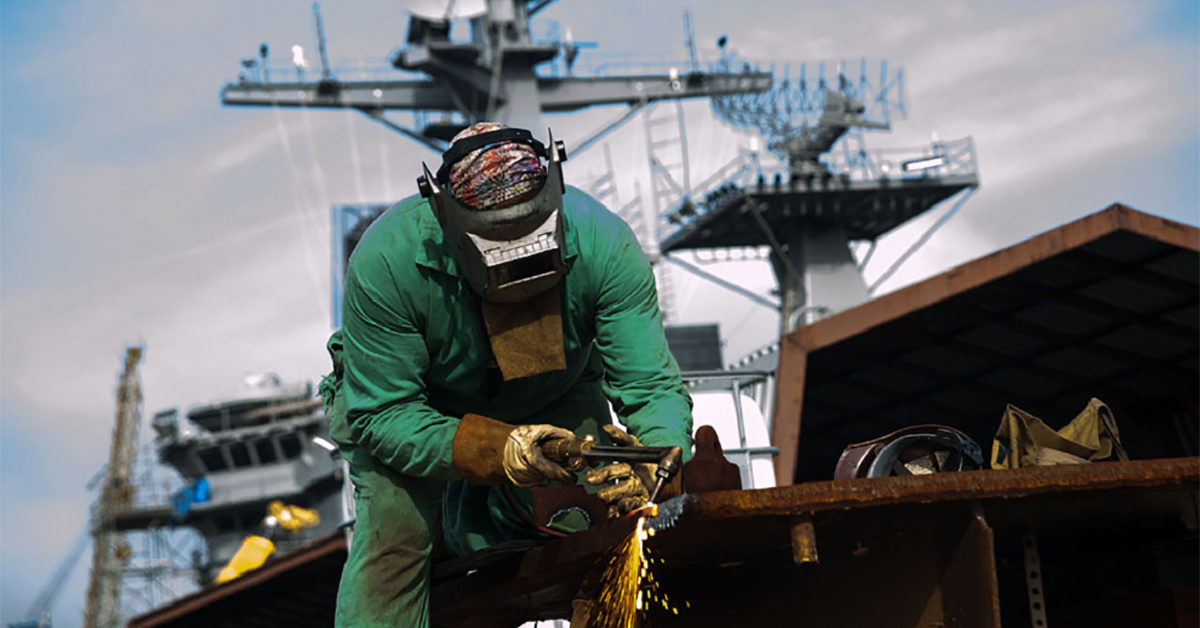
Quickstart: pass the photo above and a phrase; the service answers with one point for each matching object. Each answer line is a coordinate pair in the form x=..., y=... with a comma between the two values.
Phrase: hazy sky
x=136, y=209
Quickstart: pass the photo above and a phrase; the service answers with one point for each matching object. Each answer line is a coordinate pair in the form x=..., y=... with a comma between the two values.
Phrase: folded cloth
x=1023, y=440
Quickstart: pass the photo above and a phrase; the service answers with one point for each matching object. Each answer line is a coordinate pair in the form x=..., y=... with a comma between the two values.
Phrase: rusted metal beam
x=456, y=600
x=813, y=497
x=970, y=593
x=789, y=400
x=958, y=539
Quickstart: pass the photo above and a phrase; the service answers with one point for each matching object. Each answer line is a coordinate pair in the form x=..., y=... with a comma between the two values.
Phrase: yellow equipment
x=292, y=518
x=255, y=550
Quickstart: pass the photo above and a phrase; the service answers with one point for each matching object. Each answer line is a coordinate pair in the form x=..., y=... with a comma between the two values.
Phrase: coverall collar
x=435, y=253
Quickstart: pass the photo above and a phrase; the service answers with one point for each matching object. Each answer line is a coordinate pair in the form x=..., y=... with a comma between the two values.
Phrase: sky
x=134, y=208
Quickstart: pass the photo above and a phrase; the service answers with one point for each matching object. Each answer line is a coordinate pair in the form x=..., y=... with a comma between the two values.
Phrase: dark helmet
x=915, y=450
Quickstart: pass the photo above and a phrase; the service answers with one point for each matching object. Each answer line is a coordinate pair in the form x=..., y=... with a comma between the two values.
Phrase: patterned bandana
x=495, y=176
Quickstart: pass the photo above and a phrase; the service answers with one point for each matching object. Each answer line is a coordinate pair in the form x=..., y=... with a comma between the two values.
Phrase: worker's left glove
x=525, y=464
x=628, y=485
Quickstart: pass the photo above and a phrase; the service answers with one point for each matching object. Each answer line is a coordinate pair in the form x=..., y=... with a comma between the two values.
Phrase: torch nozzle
x=668, y=466
x=574, y=453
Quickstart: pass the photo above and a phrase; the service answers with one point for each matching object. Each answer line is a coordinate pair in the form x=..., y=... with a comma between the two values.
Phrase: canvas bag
x=1023, y=440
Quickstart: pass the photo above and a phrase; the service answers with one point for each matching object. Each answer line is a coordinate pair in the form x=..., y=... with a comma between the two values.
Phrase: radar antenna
x=832, y=191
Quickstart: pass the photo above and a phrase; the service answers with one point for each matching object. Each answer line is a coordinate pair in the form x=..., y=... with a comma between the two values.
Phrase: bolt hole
x=1037, y=606
x=1040, y=623
x=1033, y=575
x=1035, y=591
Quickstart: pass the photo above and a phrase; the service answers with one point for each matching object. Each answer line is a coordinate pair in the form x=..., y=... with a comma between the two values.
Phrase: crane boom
x=110, y=552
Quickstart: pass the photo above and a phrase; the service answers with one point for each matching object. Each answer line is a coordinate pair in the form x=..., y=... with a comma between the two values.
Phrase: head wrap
x=495, y=176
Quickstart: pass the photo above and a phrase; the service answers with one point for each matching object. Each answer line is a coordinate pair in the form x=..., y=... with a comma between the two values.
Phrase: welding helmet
x=915, y=450
x=510, y=253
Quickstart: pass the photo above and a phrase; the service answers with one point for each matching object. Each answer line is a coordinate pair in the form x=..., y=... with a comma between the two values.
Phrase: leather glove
x=629, y=485
x=525, y=464
x=487, y=452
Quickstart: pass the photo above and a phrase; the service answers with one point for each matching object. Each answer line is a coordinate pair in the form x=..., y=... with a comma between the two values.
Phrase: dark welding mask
x=509, y=254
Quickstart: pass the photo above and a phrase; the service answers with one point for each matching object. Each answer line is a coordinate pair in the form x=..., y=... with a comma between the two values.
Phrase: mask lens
x=525, y=268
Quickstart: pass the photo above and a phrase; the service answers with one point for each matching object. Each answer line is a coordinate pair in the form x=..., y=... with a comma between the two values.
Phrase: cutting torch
x=574, y=453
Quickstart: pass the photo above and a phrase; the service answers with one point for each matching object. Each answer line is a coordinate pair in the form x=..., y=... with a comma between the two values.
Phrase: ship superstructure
x=237, y=455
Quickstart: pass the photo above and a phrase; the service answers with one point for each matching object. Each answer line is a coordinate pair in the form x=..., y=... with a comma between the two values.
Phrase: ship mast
x=110, y=551
x=490, y=77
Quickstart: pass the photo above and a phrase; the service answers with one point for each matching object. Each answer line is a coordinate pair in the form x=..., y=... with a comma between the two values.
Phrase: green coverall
x=415, y=358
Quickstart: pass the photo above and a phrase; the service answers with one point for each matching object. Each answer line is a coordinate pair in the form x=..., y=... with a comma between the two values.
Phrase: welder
x=497, y=312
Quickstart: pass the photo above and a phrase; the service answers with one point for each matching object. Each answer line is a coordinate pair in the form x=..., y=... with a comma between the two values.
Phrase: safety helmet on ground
x=915, y=450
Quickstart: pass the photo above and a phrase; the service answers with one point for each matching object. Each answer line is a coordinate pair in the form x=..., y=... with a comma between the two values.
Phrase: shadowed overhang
x=1105, y=306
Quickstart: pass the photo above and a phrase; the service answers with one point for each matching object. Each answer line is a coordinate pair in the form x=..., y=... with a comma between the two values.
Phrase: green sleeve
x=641, y=379
x=385, y=360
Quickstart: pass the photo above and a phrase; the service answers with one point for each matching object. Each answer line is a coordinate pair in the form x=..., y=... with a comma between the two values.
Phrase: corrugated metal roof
x=1129, y=294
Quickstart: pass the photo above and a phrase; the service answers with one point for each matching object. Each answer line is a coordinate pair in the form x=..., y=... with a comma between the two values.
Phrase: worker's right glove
x=489, y=452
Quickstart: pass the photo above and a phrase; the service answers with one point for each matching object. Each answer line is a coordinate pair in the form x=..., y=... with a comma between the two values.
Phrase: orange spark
x=627, y=586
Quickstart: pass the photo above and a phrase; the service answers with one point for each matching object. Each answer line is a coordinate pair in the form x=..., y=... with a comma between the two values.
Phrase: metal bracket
x=1033, y=578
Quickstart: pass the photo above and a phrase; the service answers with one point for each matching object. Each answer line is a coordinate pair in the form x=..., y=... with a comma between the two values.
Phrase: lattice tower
x=110, y=551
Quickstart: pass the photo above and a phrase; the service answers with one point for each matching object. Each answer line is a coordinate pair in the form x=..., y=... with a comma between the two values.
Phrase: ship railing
x=755, y=385
x=230, y=418
x=952, y=159
x=163, y=493
x=722, y=186
x=938, y=159
x=278, y=70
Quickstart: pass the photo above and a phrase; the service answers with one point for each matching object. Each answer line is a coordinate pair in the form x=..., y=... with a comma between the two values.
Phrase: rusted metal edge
x=320, y=548
x=789, y=401
x=1158, y=228
x=536, y=569
x=813, y=497
x=548, y=564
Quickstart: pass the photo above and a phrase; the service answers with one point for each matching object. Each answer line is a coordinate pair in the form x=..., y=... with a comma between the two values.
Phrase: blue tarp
x=181, y=502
